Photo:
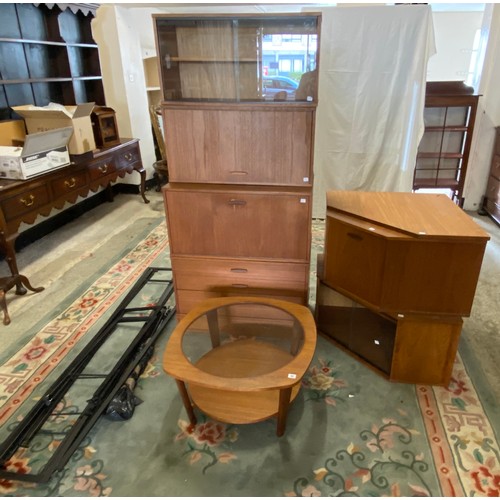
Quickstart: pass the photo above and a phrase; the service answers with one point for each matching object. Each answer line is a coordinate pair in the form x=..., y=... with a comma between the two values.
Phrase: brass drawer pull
x=71, y=183
x=28, y=202
x=238, y=172
x=239, y=270
x=128, y=156
x=239, y=285
x=235, y=202
x=103, y=168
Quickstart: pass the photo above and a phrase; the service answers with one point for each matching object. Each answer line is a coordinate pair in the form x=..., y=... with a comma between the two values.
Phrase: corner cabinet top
x=418, y=215
x=239, y=58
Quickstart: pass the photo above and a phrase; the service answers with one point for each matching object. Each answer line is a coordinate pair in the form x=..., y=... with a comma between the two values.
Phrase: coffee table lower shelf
x=241, y=359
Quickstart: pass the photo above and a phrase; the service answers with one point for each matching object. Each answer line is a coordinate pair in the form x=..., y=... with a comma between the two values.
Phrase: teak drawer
x=238, y=223
x=187, y=299
x=271, y=147
x=211, y=274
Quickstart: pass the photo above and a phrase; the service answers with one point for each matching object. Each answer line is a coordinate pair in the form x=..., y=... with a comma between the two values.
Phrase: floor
x=65, y=257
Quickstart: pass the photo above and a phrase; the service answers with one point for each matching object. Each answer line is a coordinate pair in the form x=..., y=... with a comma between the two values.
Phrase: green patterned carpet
x=349, y=432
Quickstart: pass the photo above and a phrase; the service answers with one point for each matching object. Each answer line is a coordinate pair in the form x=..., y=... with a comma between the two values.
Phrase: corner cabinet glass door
x=443, y=152
x=234, y=59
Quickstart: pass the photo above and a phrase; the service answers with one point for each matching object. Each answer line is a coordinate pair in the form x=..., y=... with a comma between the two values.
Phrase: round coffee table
x=242, y=358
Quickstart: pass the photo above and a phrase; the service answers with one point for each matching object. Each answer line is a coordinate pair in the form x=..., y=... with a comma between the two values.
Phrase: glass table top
x=242, y=340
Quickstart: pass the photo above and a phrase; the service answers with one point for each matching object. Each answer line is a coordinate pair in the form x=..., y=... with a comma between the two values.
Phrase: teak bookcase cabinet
x=400, y=271
x=47, y=55
x=238, y=202
x=443, y=153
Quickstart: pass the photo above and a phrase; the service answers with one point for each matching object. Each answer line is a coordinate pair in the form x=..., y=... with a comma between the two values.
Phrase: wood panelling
x=237, y=145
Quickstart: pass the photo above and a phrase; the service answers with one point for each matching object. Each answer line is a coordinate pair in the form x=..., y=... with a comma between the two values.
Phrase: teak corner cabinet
x=398, y=274
x=240, y=153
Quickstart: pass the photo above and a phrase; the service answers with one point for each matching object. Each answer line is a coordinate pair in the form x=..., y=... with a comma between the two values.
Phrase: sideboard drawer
x=128, y=157
x=69, y=183
x=243, y=223
x=101, y=168
x=25, y=202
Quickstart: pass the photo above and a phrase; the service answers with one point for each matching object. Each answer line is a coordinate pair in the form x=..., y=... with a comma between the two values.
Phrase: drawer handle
x=239, y=270
x=71, y=183
x=235, y=202
x=355, y=236
x=128, y=156
x=28, y=202
x=238, y=172
x=239, y=285
x=103, y=168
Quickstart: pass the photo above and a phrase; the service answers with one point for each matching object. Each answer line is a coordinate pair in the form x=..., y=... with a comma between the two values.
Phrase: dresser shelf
x=47, y=55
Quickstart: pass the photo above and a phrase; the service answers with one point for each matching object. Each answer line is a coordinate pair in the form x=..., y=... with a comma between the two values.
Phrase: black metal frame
x=154, y=324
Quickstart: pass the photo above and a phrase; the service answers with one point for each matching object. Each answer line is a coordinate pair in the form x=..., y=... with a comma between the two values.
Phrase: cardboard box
x=41, y=153
x=12, y=132
x=40, y=119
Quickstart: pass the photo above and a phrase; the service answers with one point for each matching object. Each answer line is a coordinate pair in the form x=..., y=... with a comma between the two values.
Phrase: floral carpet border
x=33, y=362
x=463, y=443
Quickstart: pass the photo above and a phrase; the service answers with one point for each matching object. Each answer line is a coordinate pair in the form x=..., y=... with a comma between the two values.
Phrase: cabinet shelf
x=48, y=42
x=440, y=155
x=49, y=80
x=446, y=129
x=213, y=60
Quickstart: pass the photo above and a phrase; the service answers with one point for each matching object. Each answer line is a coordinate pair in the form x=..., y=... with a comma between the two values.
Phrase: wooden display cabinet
x=443, y=152
x=407, y=267
x=238, y=203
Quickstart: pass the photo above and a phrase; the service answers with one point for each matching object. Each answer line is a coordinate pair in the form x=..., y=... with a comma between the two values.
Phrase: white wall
x=488, y=116
x=115, y=31
x=454, y=36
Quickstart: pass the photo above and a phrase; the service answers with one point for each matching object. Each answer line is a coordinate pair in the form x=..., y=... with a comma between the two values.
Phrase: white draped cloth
x=372, y=75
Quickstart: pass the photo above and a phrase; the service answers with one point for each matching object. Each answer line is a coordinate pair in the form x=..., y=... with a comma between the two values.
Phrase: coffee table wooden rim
x=178, y=366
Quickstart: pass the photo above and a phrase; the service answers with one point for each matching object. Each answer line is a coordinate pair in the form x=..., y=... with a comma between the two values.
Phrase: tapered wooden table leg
x=284, y=402
x=186, y=400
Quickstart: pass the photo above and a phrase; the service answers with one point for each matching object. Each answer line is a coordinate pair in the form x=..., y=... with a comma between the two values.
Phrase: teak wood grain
x=413, y=260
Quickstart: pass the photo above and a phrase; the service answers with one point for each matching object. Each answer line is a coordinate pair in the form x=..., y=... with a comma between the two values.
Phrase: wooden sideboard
x=400, y=271
x=24, y=201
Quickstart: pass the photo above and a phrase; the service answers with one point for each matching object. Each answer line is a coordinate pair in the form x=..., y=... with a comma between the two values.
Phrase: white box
x=41, y=153
x=40, y=119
